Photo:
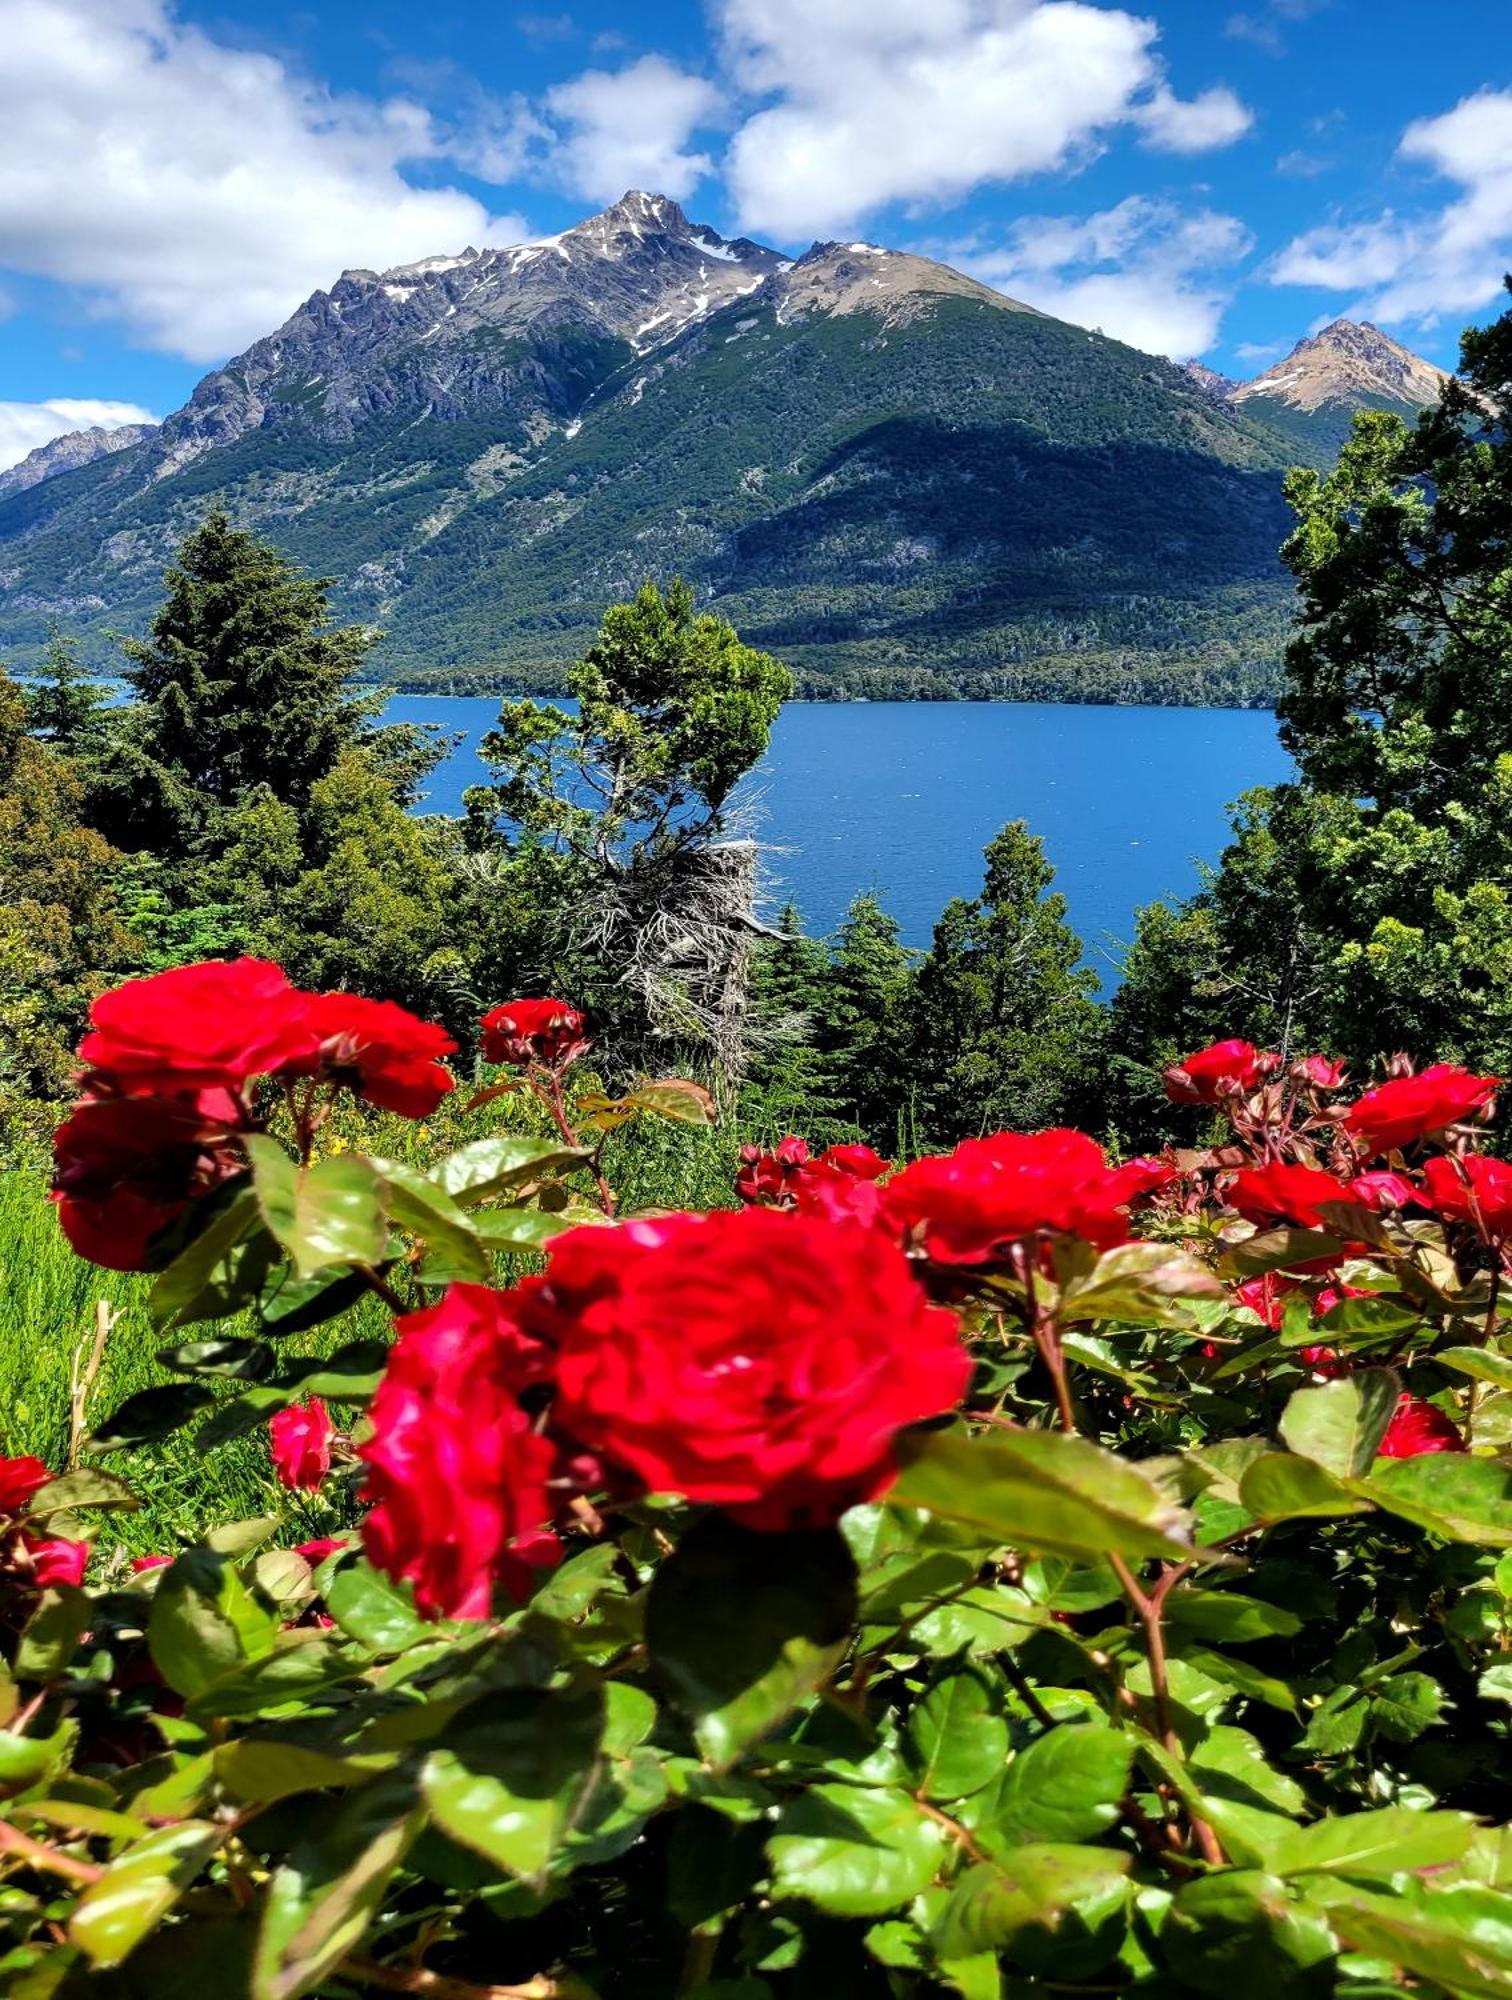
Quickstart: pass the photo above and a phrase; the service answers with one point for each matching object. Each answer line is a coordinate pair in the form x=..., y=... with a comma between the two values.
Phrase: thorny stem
x=550, y=1095
x=953, y=1827
x=380, y=1285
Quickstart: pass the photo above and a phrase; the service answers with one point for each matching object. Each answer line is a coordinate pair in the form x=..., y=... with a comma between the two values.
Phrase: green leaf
x=1238, y=1936
x=26, y=1761
x=1403, y=1706
x=351, y=1374
x=1141, y=1283
x=259, y=1770
x=290, y=1304
x=519, y=1228
x=854, y=1852
x=322, y=1899
x=1279, y=1486
x=1230, y=1763
x=956, y=1740
x=1045, y=1907
x=1039, y=1490
x=51, y=1635
x=454, y=1251
x=1065, y=1787
x=1276, y=1250
x=677, y=1099
x=139, y=1888
x=1340, y=1424
x=1227, y=1619
x=1459, y=1938
x=151, y=1414
x=1495, y=1683
x=89, y=1486
x=744, y=1626
x=239, y=1360
x=374, y=1610
x=485, y=1167
x=205, y=1622
x=1353, y=1321
x=292, y=1673
x=208, y=1279
x=512, y=1773
x=1463, y=1499
x=1373, y=1843
x=1481, y=1364
x=328, y=1214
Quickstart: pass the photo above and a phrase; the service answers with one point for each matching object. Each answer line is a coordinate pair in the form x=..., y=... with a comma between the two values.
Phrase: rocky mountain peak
x=71, y=451
x=1347, y=362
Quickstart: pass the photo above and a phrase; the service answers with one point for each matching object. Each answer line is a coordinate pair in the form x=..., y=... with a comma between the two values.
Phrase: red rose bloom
x=1264, y=1296
x=300, y=1441
x=1417, y=1427
x=1284, y=1193
x=140, y=1565
x=1223, y=1070
x=1323, y=1360
x=972, y=1205
x=1473, y=1189
x=456, y=1471
x=1410, y=1107
x=771, y=1177
x=1322, y=1072
x=126, y=1168
x=55, y=1562
x=1382, y=1190
x=760, y=1362
x=21, y=1480
x=218, y=1023
x=842, y=1183
x=381, y=1052
x=316, y=1552
x=548, y=1032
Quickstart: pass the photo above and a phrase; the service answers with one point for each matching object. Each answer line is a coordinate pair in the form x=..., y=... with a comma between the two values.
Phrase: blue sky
x=1211, y=177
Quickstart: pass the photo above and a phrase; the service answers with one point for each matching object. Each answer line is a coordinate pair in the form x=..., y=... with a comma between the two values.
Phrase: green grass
x=48, y=1302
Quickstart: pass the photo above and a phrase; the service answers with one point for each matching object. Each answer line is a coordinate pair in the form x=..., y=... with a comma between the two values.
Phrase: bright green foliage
x=788, y=1085
x=864, y=1021
x=1006, y=1025
x=65, y=705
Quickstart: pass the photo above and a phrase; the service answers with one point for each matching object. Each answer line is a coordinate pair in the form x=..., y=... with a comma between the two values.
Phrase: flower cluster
x=30, y=1561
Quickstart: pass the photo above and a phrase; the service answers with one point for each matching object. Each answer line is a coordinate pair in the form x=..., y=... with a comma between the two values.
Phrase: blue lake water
x=901, y=798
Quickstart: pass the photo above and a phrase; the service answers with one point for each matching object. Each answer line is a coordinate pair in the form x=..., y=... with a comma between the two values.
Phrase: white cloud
x=881, y=101
x=1260, y=350
x=196, y=191
x=1417, y=267
x=1145, y=272
x=23, y=426
x=1196, y=125
x=630, y=128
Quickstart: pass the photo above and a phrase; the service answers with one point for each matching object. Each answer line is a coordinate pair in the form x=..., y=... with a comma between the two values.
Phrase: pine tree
x=1006, y=1031
x=787, y=1086
x=65, y=705
x=863, y=1022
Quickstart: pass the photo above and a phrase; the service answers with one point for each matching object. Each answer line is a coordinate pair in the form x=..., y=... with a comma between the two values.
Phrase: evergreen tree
x=65, y=705
x=787, y=1085
x=1006, y=1031
x=863, y=1019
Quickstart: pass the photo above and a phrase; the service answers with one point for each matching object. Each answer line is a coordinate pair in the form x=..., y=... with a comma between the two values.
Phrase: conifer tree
x=863, y=1021
x=65, y=705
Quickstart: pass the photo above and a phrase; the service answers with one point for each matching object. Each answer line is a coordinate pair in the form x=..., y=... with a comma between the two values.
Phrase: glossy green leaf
x=1237, y=1935
x=371, y=1608
x=1373, y=1843
x=1459, y=1937
x=259, y=1770
x=1481, y=1364
x=1045, y=1906
x=1404, y=1706
x=238, y=1360
x=1039, y=1490
x=242, y=1415
x=1144, y=1284
x=513, y=1771
x=351, y=1374
x=1227, y=1618
x=957, y=1741
x=1279, y=1486
x=214, y=1276
x=1276, y=1250
x=27, y=1761
x=325, y=1215
x=1340, y=1424
x=139, y=1888
x=744, y=1626
x=1463, y=1499
x=855, y=1852
x=151, y=1414
x=89, y=1486
x=204, y=1622
x=291, y=1304
x=1065, y=1787
x=518, y=1228
x=677, y=1099
x=422, y=1206
x=51, y=1635
x=323, y=1897
x=485, y=1167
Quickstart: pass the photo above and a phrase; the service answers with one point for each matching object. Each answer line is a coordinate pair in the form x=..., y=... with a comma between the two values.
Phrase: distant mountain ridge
x=1348, y=363
x=69, y=452
x=903, y=481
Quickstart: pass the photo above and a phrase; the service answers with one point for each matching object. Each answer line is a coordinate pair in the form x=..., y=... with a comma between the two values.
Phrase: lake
x=901, y=797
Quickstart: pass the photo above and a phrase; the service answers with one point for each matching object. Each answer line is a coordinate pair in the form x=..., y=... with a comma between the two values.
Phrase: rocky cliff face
x=69, y=452
x=1348, y=363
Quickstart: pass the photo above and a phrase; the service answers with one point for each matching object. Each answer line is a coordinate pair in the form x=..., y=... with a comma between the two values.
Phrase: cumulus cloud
x=196, y=191
x=23, y=426
x=1146, y=272
x=630, y=128
x=880, y=101
x=1419, y=265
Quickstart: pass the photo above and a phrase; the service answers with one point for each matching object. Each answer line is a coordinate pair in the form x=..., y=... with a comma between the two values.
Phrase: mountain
x=69, y=452
x=1350, y=364
x=900, y=480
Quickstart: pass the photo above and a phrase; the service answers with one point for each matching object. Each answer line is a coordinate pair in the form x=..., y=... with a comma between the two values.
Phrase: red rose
x=126, y=1168
x=1323, y=1360
x=771, y=1177
x=842, y=1183
x=300, y=1440
x=1263, y=1296
x=1410, y=1107
x=54, y=1562
x=316, y=1552
x=548, y=1032
x=1417, y=1427
x=1285, y=1193
x=198, y=1025
x=140, y=1565
x=760, y=1362
x=1473, y=1189
x=381, y=1052
x=456, y=1471
x=1322, y=1072
x=972, y=1205
x=1226, y=1069
x=1382, y=1190
x=21, y=1480
x=1335, y=1295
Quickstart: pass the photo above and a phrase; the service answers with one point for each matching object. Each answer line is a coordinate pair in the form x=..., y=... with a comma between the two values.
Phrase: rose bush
x=1014, y=1572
